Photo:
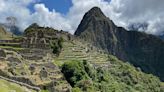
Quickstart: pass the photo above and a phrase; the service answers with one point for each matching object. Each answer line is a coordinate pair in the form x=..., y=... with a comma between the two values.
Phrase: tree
x=57, y=46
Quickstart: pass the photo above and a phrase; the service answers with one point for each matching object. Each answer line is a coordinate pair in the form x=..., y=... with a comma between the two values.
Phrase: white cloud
x=16, y=8
x=140, y=11
x=42, y=15
x=45, y=17
x=122, y=12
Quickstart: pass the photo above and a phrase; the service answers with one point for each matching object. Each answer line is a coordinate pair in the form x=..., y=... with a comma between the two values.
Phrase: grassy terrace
x=77, y=51
x=11, y=47
x=12, y=87
x=10, y=44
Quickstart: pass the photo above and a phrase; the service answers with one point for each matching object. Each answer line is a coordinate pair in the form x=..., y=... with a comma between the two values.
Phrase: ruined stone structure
x=39, y=37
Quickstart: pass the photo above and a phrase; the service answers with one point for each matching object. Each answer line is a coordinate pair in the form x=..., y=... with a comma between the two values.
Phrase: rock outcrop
x=2, y=53
x=140, y=49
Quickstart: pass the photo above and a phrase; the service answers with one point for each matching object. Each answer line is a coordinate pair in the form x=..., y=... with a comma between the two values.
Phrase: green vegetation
x=44, y=91
x=12, y=87
x=11, y=47
x=120, y=77
x=58, y=63
x=56, y=45
x=74, y=72
x=4, y=35
x=18, y=38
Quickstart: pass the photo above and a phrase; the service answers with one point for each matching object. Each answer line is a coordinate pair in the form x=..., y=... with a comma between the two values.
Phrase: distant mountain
x=138, y=27
x=140, y=49
x=12, y=28
x=162, y=37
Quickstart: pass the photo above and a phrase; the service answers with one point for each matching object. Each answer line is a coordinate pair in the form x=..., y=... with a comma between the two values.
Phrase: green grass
x=10, y=43
x=44, y=91
x=11, y=47
x=12, y=87
x=58, y=63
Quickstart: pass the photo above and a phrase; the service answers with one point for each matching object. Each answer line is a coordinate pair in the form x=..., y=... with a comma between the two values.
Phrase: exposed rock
x=14, y=60
x=23, y=73
x=43, y=73
x=49, y=65
x=2, y=53
x=140, y=49
x=32, y=67
x=11, y=70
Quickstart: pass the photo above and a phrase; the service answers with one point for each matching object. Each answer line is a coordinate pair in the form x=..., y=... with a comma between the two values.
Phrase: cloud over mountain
x=122, y=12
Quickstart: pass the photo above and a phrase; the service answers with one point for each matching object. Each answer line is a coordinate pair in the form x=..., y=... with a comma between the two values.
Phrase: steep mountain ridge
x=140, y=49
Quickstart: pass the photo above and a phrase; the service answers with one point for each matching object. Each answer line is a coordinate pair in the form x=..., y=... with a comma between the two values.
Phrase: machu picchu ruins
x=98, y=57
x=32, y=59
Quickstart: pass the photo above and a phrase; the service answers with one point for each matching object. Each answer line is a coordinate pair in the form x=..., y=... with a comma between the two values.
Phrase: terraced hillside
x=119, y=76
x=33, y=67
x=77, y=50
x=31, y=63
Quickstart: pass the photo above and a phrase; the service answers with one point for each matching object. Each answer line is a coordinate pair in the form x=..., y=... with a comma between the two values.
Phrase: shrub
x=76, y=89
x=123, y=78
x=57, y=46
x=74, y=71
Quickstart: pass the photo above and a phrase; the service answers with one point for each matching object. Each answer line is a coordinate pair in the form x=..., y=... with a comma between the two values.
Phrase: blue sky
x=61, y=6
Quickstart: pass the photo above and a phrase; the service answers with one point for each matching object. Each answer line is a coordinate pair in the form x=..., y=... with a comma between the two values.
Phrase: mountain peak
x=96, y=12
x=93, y=18
x=95, y=9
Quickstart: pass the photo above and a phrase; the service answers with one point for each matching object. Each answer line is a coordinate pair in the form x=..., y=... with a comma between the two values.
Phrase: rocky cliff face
x=140, y=49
